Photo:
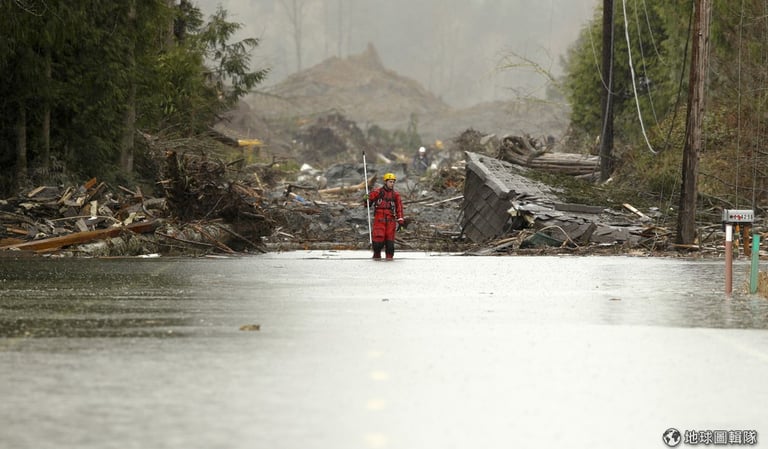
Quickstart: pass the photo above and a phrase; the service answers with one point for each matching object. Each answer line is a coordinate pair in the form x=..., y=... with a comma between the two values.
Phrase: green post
x=755, y=264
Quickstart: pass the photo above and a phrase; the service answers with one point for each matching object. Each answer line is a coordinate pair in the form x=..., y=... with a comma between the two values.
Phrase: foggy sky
x=452, y=47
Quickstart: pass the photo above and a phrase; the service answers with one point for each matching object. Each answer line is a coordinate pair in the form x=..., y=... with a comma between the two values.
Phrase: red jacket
x=386, y=202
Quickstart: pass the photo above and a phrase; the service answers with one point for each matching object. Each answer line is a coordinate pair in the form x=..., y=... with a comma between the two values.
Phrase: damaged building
x=499, y=199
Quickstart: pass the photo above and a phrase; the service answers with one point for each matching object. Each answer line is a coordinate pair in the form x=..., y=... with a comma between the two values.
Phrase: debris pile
x=335, y=217
x=477, y=205
x=330, y=138
x=529, y=152
x=49, y=218
x=205, y=209
x=210, y=206
x=502, y=201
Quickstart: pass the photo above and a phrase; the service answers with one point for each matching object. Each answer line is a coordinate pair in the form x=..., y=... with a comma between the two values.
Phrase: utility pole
x=606, y=133
x=686, y=219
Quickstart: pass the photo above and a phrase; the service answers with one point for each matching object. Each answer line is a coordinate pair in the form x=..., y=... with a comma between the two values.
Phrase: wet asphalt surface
x=326, y=349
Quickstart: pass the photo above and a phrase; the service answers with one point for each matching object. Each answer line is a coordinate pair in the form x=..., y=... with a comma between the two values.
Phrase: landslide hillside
x=362, y=90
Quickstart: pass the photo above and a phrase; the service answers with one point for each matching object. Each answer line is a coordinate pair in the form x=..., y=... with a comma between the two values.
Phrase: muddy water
x=426, y=351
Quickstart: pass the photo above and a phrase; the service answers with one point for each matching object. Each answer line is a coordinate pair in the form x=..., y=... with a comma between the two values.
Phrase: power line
x=650, y=32
x=682, y=76
x=645, y=65
x=634, y=84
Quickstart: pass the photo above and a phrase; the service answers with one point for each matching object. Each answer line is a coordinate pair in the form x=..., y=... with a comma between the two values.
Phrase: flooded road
x=337, y=351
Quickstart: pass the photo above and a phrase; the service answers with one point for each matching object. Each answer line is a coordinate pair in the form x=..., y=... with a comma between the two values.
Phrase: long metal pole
x=367, y=203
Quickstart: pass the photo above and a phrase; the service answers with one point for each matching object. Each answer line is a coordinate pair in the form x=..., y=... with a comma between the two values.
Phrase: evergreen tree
x=655, y=82
x=733, y=165
x=81, y=76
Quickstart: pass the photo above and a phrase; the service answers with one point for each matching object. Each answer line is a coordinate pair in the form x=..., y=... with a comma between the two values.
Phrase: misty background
x=454, y=48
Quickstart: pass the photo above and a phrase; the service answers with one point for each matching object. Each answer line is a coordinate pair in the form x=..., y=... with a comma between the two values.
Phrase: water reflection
x=425, y=351
x=75, y=298
x=154, y=297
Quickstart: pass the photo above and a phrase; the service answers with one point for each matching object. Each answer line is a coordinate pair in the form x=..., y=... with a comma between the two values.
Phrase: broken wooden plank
x=632, y=209
x=66, y=195
x=10, y=241
x=447, y=200
x=583, y=208
x=128, y=191
x=90, y=183
x=13, y=230
x=35, y=191
x=55, y=243
x=347, y=189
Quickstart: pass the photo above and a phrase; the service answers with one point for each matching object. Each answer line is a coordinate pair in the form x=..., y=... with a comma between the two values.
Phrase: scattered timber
x=206, y=208
x=523, y=151
x=55, y=243
x=347, y=189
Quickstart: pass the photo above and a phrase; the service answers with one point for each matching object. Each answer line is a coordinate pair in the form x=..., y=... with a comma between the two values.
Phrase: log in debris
x=347, y=189
x=526, y=152
x=201, y=193
x=48, y=218
x=56, y=243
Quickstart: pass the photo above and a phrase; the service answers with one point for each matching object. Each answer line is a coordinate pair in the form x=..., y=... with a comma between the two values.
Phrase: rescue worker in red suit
x=387, y=216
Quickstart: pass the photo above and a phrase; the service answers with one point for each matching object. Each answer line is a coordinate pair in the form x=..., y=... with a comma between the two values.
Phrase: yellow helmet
x=388, y=176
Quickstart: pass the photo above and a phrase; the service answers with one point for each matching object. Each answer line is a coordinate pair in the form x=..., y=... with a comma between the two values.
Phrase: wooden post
x=606, y=133
x=686, y=220
x=746, y=231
